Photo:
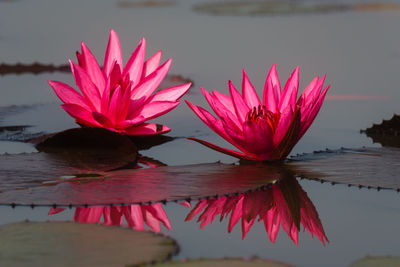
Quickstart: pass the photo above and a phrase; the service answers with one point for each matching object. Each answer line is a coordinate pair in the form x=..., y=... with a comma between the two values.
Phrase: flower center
x=261, y=112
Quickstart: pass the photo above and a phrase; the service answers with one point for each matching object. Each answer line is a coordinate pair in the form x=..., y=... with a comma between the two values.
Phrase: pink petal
x=87, y=87
x=186, y=204
x=92, y=68
x=155, y=109
x=55, y=211
x=241, y=107
x=112, y=216
x=114, y=77
x=235, y=215
x=67, y=94
x=148, y=129
x=151, y=64
x=272, y=90
x=158, y=212
x=289, y=93
x=134, y=66
x=225, y=100
x=125, y=124
x=313, y=113
x=88, y=215
x=149, y=84
x=283, y=125
x=113, y=53
x=307, y=91
x=172, y=93
x=115, y=104
x=272, y=222
x=81, y=114
x=246, y=226
x=134, y=216
x=103, y=120
x=259, y=138
x=222, y=150
x=151, y=221
x=196, y=210
x=249, y=93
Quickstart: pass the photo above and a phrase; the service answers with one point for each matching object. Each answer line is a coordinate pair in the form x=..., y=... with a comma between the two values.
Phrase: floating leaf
x=34, y=68
x=257, y=8
x=135, y=186
x=366, y=167
x=376, y=262
x=387, y=133
x=146, y=3
x=73, y=244
x=147, y=142
x=231, y=262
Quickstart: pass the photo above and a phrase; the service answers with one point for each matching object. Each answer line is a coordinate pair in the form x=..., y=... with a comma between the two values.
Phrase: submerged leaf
x=73, y=244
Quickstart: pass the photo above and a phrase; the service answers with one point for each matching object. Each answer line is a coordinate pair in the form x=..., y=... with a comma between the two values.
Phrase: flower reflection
x=136, y=216
x=284, y=204
x=118, y=98
x=266, y=130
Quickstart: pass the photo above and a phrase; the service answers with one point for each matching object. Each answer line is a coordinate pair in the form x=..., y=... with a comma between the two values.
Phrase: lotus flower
x=119, y=98
x=284, y=203
x=266, y=130
x=135, y=215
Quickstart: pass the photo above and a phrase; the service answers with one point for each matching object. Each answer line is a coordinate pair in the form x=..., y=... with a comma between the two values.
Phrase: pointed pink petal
x=272, y=90
x=148, y=129
x=307, y=91
x=67, y=94
x=55, y=211
x=134, y=66
x=201, y=204
x=102, y=119
x=249, y=93
x=155, y=109
x=125, y=124
x=235, y=215
x=105, y=98
x=313, y=113
x=151, y=64
x=259, y=138
x=221, y=110
x=87, y=87
x=113, y=53
x=283, y=125
x=81, y=114
x=115, y=104
x=222, y=150
x=158, y=212
x=225, y=100
x=289, y=93
x=93, y=69
x=134, y=216
x=149, y=84
x=272, y=222
x=172, y=93
x=114, y=77
x=241, y=107
x=88, y=215
x=186, y=204
x=246, y=226
x=151, y=221
x=112, y=216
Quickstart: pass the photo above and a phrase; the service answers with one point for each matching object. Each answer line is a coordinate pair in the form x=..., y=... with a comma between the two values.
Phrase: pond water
x=358, y=49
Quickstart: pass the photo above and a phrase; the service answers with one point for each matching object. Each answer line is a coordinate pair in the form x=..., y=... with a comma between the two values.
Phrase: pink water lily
x=119, y=98
x=262, y=130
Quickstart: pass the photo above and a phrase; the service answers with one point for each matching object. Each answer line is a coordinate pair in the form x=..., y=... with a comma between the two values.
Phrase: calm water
x=359, y=52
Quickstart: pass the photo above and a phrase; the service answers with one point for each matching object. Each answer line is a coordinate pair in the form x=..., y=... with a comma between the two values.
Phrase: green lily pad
x=260, y=8
x=377, y=262
x=146, y=3
x=366, y=167
x=231, y=262
x=73, y=244
x=136, y=186
x=257, y=8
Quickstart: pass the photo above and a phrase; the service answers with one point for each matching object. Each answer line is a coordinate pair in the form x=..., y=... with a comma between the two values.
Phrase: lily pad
x=386, y=133
x=146, y=3
x=257, y=8
x=72, y=244
x=376, y=262
x=135, y=186
x=366, y=167
x=231, y=262
x=34, y=68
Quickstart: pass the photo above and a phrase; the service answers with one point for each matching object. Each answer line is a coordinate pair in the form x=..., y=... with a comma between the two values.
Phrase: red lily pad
x=367, y=167
x=135, y=186
x=73, y=244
